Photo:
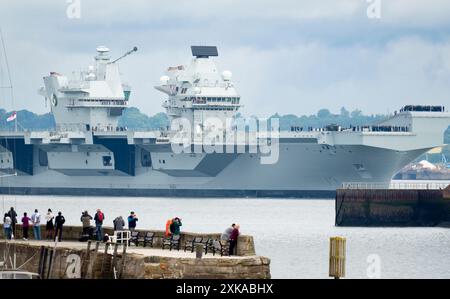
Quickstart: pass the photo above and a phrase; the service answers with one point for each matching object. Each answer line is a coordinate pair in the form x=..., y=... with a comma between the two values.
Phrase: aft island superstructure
x=206, y=151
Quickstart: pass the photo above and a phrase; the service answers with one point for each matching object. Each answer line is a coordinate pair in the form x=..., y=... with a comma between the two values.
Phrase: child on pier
x=7, y=226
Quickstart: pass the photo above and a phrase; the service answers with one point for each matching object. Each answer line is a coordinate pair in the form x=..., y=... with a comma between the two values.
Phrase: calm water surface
x=293, y=233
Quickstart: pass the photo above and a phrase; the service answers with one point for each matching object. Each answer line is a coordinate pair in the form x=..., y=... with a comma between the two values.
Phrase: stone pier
x=71, y=259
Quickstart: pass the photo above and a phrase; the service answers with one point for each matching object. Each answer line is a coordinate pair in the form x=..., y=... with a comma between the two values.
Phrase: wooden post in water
x=86, y=260
x=50, y=263
x=92, y=261
x=41, y=262
x=105, y=257
x=337, y=257
x=114, y=261
x=122, y=264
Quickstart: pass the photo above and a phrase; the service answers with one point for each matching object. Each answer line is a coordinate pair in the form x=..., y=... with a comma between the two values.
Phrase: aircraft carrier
x=207, y=151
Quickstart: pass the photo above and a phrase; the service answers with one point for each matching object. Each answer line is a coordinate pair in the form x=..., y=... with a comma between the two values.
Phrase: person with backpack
x=86, y=222
x=25, y=226
x=7, y=226
x=175, y=226
x=59, y=222
x=119, y=224
x=36, y=220
x=132, y=219
x=99, y=218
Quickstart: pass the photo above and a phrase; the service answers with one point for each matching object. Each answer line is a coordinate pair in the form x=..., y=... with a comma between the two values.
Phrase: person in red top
x=168, y=224
x=99, y=218
x=25, y=225
x=233, y=239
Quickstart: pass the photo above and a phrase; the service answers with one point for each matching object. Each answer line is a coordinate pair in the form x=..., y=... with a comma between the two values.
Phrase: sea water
x=293, y=233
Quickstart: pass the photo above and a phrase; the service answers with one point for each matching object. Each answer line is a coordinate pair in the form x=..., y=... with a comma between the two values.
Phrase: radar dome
x=197, y=90
x=102, y=49
x=164, y=80
x=227, y=75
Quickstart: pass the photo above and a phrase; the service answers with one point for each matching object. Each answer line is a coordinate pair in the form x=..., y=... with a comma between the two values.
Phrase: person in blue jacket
x=132, y=219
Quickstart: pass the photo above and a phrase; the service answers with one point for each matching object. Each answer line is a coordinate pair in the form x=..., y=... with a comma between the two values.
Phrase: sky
x=286, y=56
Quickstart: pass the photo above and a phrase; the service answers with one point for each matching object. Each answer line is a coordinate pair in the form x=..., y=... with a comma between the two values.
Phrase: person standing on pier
x=227, y=233
x=49, y=227
x=36, y=220
x=7, y=226
x=99, y=218
x=25, y=226
x=233, y=239
x=132, y=219
x=175, y=226
x=59, y=222
x=168, y=228
x=13, y=215
x=119, y=224
x=86, y=222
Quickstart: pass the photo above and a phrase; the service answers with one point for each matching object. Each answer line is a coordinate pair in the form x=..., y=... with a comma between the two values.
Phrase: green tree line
x=135, y=119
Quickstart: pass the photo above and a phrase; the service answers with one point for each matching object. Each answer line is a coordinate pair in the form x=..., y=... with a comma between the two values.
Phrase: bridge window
x=359, y=167
x=420, y=108
x=107, y=161
x=43, y=160
x=146, y=159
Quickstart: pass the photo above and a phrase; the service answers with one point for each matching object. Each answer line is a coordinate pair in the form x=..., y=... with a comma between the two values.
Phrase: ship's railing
x=396, y=185
x=337, y=128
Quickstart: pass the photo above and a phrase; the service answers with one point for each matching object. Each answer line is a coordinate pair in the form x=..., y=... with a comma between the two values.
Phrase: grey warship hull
x=89, y=154
x=305, y=169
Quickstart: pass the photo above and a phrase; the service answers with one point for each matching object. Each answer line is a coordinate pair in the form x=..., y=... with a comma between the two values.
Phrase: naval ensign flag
x=12, y=117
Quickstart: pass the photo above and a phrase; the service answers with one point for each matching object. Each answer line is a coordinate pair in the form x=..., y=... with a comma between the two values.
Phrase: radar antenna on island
x=125, y=55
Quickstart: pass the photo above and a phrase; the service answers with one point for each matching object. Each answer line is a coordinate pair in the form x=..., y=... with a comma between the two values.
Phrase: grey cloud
x=286, y=56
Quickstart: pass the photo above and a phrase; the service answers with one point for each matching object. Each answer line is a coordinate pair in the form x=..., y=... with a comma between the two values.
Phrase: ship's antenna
x=125, y=55
x=8, y=71
x=10, y=87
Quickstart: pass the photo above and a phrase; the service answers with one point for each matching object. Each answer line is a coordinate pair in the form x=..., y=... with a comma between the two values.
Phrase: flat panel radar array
x=204, y=51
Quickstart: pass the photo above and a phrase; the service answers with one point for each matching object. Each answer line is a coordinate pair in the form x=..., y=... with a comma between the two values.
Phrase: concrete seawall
x=71, y=259
x=389, y=207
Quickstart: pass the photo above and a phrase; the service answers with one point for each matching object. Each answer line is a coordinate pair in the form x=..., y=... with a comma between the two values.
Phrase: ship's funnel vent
x=204, y=51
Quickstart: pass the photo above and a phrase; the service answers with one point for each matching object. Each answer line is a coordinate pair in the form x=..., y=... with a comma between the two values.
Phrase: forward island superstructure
x=206, y=152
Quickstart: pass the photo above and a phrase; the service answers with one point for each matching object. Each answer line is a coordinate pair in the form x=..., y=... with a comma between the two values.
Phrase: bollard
x=199, y=251
x=337, y=257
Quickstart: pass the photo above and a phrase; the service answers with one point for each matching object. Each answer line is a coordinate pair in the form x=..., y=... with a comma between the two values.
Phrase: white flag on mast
x=12, y=117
